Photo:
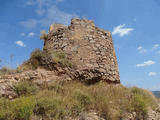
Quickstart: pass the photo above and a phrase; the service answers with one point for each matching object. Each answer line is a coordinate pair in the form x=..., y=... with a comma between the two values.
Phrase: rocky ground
x=40, y=77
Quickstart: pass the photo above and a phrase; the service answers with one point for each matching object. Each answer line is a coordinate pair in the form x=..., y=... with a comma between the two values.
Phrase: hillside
x=74, y=77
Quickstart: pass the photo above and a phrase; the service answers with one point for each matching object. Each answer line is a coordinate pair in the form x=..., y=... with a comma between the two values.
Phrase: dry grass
x=44, y=35
x=71, y=99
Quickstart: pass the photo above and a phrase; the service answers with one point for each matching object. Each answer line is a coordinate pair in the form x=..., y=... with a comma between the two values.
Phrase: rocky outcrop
x=89, y=48
x=39, y=77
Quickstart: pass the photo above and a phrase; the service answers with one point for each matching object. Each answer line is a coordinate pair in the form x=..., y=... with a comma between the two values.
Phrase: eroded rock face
x=39, y=77
x=89, y=48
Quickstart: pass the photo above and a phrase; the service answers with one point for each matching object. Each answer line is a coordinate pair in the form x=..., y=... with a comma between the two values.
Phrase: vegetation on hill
x=62, y=100
x=40, y=58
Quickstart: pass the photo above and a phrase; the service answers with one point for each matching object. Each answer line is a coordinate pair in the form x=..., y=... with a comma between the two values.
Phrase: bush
x=59, y=57
x=36, y=58
x=44, y=106
x=148, y=97
x=140, y=106
x=44, y=59
x=34, y=62
x=24, y=88
x=70, y=99
x=49, y=105
x=19, y=109
x=84, y=99
x=37, y=54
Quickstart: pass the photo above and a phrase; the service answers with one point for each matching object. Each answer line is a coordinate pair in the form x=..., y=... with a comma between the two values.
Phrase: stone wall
x=88, y=47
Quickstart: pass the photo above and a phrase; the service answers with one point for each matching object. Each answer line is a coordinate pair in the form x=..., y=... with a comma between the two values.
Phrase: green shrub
x=37, y=54
x=84, y=99
x=42, y=59
x=149, y=98
x=36, y=58
x=140, y=106
x=18, y=109
x=101, y=103
x=49, y=105
x=59, y=57
x=34, y=62
x=71, y=99
x=24, y=88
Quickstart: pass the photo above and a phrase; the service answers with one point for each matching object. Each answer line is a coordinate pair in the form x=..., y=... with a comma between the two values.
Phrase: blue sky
x=135, y=26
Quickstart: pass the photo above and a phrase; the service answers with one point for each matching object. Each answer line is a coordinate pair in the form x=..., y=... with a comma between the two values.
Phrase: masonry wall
x=88, y=47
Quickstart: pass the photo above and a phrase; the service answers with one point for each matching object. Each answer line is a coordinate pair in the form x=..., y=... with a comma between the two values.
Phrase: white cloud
x=155, y=47
x=30, y=23
x=141, y=50
x=31, y=34
x=20, y=43
x=49, y=14
x=146, y=63
x=55, y=15
x=152, y=74
x=23, y=34
x=121, y=30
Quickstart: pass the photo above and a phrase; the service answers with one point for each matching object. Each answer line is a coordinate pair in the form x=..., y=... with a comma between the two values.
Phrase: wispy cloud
x=31, y=34
x=30, y=23
x=154, y=47
x=55, y=15
x=141, y=50
x=152, y=74
x=146, y=63
x=20, y=43
x=49, y=14
x=22, y=34
x=121, y=30
x=144, y=50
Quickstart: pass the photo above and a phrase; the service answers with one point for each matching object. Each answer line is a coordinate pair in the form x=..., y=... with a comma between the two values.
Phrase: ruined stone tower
x=88, y=47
